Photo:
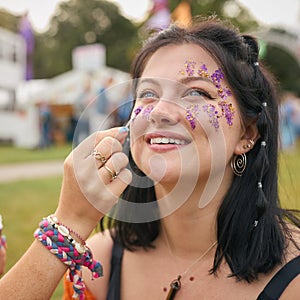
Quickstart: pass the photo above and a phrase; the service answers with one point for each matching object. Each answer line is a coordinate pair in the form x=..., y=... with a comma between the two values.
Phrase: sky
x=268, y=12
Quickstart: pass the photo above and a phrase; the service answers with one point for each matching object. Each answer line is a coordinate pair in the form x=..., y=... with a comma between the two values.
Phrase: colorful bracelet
x=62, y=246
x=65, y=228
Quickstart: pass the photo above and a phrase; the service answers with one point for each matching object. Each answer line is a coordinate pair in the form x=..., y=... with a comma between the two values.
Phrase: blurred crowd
x=289, y=121
x=97, y=107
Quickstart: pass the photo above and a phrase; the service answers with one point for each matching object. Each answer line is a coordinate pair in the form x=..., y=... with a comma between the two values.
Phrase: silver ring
x=113, y=174
x=97, y=155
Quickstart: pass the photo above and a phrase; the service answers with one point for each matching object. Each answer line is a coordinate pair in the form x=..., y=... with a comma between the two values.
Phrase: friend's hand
x=94, y=178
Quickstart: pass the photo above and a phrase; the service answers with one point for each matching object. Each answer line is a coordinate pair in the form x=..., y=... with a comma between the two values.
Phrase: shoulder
x=101, y=245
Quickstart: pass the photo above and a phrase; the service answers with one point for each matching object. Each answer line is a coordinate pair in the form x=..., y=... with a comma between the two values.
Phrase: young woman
x=197, y=213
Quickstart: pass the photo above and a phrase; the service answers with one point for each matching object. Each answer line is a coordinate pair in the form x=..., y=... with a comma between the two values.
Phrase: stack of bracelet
x=57, y=239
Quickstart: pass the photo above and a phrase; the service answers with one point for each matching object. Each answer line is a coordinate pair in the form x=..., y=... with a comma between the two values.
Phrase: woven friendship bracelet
x=67, y=250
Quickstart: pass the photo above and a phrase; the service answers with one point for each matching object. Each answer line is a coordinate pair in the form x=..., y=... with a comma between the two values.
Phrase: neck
x=188, y=229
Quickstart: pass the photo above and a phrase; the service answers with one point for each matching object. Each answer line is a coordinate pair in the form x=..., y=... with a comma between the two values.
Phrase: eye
x=147, y=95
x=196, y=92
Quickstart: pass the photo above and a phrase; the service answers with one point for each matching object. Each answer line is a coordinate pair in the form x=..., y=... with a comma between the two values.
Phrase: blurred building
x=12, y=66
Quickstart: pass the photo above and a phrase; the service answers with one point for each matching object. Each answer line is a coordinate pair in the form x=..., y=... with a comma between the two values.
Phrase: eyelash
x=201, y=92
x=143, y=95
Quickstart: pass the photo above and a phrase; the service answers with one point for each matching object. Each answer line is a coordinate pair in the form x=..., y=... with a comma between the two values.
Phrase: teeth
x=165, y=140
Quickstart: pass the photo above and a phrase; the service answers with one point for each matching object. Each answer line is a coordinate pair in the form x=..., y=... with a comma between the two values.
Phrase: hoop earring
x=238, y=164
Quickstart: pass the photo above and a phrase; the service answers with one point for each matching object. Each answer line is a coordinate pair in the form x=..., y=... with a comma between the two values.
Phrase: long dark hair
x=251, y=230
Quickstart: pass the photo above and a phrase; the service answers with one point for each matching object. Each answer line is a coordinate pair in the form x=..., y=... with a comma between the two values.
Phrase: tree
x=82, y=22
x=9, y=21
x=229, y=9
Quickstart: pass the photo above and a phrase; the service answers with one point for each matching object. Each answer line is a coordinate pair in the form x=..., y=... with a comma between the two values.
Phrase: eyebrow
x=184, y=80
x=188, y=79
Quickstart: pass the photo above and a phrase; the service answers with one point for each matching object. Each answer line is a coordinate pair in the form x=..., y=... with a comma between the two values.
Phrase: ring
x=113, y=174
x=98, y=156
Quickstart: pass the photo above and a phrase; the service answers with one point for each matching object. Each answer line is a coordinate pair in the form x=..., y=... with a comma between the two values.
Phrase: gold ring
x=97, y=155
x=113, y=174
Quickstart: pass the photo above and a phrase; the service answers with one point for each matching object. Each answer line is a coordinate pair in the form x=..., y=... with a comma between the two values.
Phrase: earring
x=250, y=145
x=238, y=164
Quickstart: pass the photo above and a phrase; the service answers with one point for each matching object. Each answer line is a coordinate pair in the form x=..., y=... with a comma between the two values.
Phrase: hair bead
x=259, y=185
x=264, y=104
x=256, y=64
x=263, y=144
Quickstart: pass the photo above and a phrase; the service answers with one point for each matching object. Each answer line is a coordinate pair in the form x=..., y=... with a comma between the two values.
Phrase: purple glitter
x=213, y=114
x=191, y=113
x=227, y=111
x=146, y=112
x=137, y=111
x=190, y=67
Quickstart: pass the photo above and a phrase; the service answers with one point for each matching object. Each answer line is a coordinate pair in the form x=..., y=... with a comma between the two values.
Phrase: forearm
x=34, y=276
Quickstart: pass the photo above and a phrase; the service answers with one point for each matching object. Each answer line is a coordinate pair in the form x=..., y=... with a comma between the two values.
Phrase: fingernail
x=123, y=129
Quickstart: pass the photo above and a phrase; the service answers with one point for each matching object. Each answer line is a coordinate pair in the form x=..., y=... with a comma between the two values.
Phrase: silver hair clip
x=264, y=104
x=256, y=64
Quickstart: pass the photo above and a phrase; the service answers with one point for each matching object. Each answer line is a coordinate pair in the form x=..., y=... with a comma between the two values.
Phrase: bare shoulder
x=101, y=245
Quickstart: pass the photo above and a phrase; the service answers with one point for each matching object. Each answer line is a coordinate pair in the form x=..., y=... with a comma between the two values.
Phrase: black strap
x=281, y=280
x=115, y=273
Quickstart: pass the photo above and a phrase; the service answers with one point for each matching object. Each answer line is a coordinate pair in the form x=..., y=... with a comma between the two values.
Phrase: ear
x=248, y=138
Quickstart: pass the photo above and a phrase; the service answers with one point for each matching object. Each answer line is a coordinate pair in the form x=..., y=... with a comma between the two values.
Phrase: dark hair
x=251, y=230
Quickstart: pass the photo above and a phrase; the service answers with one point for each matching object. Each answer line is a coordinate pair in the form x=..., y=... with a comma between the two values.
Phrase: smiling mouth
x=165, y=140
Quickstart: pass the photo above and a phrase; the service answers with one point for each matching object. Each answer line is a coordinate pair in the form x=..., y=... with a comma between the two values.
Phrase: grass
x=10, y=154
x=23, y=203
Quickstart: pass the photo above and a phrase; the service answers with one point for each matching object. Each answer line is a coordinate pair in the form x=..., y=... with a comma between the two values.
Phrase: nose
x=164, y=113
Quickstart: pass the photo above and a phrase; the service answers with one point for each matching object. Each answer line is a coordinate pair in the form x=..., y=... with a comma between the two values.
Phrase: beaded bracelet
x=61, y=246
x=53, y=219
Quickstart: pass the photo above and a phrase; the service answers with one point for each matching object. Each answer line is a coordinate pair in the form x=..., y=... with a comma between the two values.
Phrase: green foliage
x=224, y=9
x=10, y=154
x=9, y=21
x=82, y=22
x=285, y=67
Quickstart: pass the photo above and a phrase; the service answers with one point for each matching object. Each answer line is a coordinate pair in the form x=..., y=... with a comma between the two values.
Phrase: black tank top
x=272, y=290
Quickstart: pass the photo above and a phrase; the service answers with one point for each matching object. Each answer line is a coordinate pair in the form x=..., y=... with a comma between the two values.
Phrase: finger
x=105, y=148
x=118, y=185
x=85, y=148
x=112, y=167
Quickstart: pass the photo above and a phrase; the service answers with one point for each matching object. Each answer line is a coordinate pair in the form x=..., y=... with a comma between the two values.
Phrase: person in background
x=82, y=112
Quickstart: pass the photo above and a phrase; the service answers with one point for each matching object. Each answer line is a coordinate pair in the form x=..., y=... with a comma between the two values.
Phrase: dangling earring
x=238, y=164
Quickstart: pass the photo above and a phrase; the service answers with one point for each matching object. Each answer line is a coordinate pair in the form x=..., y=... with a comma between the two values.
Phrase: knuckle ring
x=97, y=155
x=113, y=174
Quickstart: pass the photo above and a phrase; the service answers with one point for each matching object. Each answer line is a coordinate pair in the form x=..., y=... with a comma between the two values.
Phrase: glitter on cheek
x=228, y=111
x=213, y=115
x=192, y=111
x=147, y=111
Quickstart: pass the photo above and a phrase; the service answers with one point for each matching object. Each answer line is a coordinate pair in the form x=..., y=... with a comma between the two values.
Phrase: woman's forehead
x=169, y=61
